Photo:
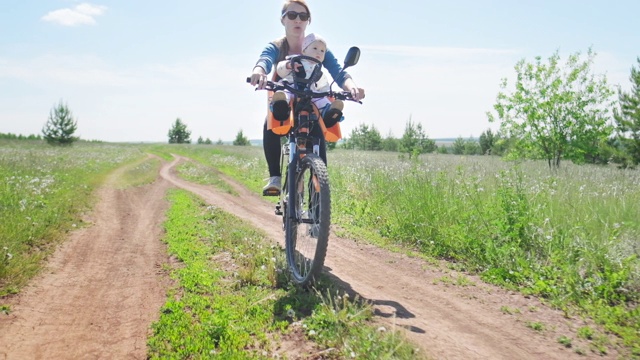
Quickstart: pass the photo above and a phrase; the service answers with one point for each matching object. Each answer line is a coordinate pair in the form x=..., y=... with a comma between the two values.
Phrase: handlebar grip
x=248, y=79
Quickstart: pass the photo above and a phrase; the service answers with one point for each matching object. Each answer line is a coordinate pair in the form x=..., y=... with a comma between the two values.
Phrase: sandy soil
x=104, y=286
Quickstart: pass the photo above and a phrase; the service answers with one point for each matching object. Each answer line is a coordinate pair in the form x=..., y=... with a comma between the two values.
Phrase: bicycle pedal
x=271, y=192
x=278, y=209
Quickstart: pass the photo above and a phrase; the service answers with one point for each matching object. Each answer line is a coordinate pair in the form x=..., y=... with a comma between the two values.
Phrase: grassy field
x=569, y=237
x=43, y=192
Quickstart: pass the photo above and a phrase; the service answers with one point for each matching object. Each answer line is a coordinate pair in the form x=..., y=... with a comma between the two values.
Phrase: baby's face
x=316, y=50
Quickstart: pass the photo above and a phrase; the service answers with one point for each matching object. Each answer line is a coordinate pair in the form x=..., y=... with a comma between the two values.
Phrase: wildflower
x=291, y=313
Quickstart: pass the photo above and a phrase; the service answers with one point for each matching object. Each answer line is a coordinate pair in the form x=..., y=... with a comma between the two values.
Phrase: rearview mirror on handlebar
x=353, y=55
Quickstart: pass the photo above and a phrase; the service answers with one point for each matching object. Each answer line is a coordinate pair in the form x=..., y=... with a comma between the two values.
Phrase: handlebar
x=274, y=86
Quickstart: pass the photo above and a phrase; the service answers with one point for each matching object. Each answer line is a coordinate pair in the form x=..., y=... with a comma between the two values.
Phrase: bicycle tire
x=307, y=234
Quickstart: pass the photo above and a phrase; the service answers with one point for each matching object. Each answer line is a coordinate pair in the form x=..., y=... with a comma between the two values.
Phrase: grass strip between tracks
x=232, y=298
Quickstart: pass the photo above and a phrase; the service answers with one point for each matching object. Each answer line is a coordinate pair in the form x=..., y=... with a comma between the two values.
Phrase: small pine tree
x=415, y=141
x=457, y=147
x=487, y=140
x=241, y=140
x=627, y=118
x=178, y=134
x=60, y=126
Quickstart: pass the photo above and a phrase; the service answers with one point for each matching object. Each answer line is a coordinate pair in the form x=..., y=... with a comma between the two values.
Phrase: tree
x=486, y=140
x=415, y=141
x=457, y=148
x=178, y=134
x=627, y=118
x=390, y=143
x=555, y=111
x=200, y=140
x=365, y=137
x=471, y=147
x=60, y=126
x=241, y=140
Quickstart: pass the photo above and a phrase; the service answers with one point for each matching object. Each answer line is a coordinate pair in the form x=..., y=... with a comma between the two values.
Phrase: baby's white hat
x=311, y=38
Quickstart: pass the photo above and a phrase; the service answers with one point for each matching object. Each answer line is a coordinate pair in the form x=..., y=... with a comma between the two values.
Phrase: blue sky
x=128, y=69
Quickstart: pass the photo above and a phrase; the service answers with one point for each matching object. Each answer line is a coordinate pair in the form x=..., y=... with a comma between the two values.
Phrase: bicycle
x=305, y=196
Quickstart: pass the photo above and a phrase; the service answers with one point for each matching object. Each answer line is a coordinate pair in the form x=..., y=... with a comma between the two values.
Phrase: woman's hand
x=356, y=92
x=258, y=77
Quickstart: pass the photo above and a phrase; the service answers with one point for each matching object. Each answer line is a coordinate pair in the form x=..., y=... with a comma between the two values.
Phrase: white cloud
x=83, y=14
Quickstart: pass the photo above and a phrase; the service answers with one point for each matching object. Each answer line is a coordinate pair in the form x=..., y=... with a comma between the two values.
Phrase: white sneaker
x=273, y=184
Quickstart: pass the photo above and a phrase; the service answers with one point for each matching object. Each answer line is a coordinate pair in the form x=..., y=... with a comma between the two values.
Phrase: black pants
x=273, y=149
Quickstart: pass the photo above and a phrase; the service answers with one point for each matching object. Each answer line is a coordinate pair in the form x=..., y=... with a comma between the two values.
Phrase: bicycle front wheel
x=307, y=232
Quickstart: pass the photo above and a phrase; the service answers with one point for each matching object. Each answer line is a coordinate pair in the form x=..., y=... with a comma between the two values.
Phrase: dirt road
x=104, y=287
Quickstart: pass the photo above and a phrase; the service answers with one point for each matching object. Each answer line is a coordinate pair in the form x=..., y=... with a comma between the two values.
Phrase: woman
x=295, y=17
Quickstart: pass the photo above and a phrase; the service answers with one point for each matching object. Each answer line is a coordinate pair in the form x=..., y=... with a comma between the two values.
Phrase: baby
x=312, y=46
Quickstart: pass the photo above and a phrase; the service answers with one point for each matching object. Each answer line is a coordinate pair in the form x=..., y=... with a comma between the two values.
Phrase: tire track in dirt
x=447, y=322
x=101, y=289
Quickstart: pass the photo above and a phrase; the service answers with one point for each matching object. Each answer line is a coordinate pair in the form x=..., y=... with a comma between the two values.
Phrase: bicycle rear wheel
x=307, y=234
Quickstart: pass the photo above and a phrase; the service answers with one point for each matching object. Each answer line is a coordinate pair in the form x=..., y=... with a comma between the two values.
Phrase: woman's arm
x=264, y=65
x=344, y=80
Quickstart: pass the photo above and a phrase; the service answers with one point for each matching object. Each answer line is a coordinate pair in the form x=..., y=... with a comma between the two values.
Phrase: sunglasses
x=292, y=15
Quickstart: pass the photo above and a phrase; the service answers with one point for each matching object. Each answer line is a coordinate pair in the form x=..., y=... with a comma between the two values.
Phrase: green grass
x=43, y=192
x=139, y=173
x=233, y=300
x=569, y=237
x=244, y=163
x=201, y=174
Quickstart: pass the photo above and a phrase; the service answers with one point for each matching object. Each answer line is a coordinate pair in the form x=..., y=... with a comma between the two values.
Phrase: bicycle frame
x=298, y=146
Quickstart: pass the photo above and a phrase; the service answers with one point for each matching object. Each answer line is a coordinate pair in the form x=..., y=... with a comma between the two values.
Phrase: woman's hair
x=300, y=2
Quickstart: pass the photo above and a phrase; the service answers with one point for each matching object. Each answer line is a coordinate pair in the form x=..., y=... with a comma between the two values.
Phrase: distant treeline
x=11, y=136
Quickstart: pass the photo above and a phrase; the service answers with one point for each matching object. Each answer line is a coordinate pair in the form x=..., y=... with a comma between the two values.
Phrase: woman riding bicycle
x=295, y=17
